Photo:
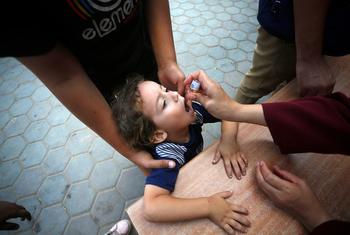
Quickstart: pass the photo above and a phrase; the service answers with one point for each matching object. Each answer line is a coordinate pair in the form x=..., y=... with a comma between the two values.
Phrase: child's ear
x=158, y=136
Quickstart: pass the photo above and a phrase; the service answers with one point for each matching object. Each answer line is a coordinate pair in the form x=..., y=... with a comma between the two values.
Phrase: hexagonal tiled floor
x=70, y=179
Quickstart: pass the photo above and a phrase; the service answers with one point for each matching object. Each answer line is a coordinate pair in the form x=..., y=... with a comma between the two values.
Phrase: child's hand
x=233, y=159
x=228, y=216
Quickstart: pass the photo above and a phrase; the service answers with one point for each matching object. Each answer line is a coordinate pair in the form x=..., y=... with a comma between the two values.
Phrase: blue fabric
x=277, y=18
x=181, y=153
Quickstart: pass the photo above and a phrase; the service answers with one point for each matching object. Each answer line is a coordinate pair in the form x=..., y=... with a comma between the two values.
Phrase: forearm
x=229, y=130
x=166, y=208
x=249, y=113
x=91, y=109
x=160, y=30
x=63, y=75
x=309, y=17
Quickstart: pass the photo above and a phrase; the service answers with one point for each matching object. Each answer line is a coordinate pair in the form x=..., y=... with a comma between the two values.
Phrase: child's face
x=167, y=109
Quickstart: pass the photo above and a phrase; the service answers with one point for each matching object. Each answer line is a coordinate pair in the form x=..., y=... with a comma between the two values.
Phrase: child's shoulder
x=198, y=110
x=202, y=115
x=196, y=105
x=170, y=150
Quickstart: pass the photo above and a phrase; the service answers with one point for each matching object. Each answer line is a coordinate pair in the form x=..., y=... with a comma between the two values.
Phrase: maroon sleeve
x=334, y=227
x=315, y=124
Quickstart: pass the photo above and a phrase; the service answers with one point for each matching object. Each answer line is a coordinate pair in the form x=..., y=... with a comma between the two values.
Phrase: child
x=152, y=118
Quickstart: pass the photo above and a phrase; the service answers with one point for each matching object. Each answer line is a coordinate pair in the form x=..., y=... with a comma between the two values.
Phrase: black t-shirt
x=109, y=38
x=277, y=18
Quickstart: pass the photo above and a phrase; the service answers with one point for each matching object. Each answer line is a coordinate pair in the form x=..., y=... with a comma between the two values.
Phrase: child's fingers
x=242, y=219
x=239, y=209
x=236, y=169
x=228, y=167
x=244, y=159
x=228, y=228
x=241, y=165
x=217, y=157
x=236, y=225
x=224, y=194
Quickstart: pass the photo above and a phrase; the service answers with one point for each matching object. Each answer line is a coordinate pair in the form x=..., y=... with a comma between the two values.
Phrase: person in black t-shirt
x=82, y=50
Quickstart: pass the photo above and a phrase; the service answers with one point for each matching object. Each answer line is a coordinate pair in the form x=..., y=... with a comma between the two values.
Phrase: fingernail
x=230, y=176
x=171, y=164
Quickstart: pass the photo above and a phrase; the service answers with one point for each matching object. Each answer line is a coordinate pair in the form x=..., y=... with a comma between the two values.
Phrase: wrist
x=308, y=56
x=165, y=63
x=228, y=136
x=209, y=207
x=313, y=221
x=233, y=109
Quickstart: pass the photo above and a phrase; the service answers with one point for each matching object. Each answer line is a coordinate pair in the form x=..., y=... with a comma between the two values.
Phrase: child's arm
x=161, y=206
x=228, y=149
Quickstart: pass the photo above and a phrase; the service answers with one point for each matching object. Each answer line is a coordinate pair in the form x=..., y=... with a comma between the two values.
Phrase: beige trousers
x=274, y=62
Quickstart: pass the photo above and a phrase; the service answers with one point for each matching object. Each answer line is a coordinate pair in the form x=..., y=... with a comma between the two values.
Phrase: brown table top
x=328, y=175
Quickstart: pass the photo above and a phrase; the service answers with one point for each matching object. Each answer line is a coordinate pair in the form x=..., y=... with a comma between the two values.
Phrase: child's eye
x=164, y=104
x=166, y=89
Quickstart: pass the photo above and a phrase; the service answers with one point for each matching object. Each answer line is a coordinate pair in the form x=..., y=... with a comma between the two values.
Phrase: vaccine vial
x=195, y=86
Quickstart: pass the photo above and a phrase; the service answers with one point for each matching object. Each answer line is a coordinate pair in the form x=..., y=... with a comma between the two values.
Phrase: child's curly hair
x=132, y=124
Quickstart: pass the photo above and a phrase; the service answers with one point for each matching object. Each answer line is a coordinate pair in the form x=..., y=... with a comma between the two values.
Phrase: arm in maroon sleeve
x=335, y=227
x=315, y=124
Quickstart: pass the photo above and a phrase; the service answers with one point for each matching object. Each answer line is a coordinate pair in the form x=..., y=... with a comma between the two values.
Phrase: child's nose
x=175, y=95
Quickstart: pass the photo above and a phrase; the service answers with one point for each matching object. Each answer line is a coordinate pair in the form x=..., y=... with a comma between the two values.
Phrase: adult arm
x=160, y=31
x=213, y=97
x=314, y=124
x=313, y=74
x=59, y=70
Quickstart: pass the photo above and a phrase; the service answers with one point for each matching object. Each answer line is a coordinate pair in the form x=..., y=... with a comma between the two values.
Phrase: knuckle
x=269, y=177
x=147, y=165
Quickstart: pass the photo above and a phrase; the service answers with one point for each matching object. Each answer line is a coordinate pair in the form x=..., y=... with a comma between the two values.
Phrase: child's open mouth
x=188, y=106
